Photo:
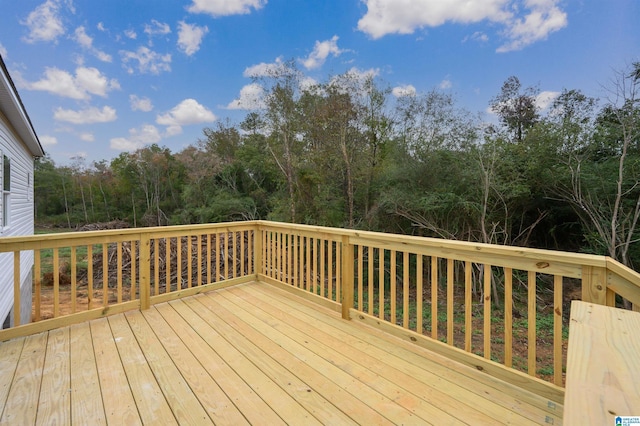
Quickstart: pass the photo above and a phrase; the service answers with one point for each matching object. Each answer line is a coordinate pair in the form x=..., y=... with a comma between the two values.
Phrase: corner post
x=145, y=271
x=347, y=276
x=257, y=251
x=594, y=285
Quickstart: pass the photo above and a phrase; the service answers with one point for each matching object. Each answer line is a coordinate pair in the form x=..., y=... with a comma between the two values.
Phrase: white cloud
x=86, y=82
x=86, y=116
x=140, y=104
x=251, y=97
x=225, y=7
x=321, y=51
x=187, y=112
x=81, y=37
x=148, y=61
x=544, y=99
x=406, y=90
x=264, y=69
x=402, y=17
x=138, y=138
x=522, y=25
x=478, y=36
x=445, y=84
x=47, y=140
x=87, y=137
x=544, y=18
x=44, y=22
x=190, y=37
x=101, y=27
x=157, y=28
x=3, y=51
x=131, y=34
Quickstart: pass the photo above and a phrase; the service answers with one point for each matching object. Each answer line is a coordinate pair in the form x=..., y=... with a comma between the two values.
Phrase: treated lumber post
x=257, y=252
x=347, y=276
x=594, y=285
x=145, y=271
x=16, y=288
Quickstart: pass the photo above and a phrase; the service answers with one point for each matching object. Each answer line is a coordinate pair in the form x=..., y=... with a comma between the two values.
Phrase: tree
x=516, y=107
x=606, y=192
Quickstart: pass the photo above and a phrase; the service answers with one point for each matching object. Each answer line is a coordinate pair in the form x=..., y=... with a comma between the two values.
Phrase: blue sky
x=99, y=77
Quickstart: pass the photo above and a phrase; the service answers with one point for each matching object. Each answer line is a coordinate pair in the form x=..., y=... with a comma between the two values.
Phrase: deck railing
x=504, y=304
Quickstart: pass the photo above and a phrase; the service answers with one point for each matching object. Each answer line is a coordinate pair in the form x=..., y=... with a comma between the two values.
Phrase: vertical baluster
x=242, y=253
x=468, y=306
x=370, y=262
x=508, y=317
x=314, y=270
x=330, y=263
x=339, y=267
x=450, y=285
x=119, y=271
x=56, y=283
x=434, y=297
x=251, y=252
x=156, y=267
x=296, y=261
x=168, y=264
x=405, y=289
x=90, y=277
x=209, y=277
x=419, y=290
x=393, y=282
x=381, y=283
x=487, y=311
x=189, y=239
x=38, y=283
x=322, y=265
x=531, y=319
x=74, y=277
x=234, y=257
x=105, y=274
x=134, y=258
x=199, y=260
x=226, y=255
x=557, y=330
x=16, y=288
x=179, y=263
x=277, y=256
x=307, y=284
x=360, y=278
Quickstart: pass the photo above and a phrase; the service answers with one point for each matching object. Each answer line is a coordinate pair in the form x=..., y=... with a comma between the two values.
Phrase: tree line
x=346, y=153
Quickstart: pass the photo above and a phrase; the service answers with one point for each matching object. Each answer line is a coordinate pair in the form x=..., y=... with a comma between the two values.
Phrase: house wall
x=21, y=221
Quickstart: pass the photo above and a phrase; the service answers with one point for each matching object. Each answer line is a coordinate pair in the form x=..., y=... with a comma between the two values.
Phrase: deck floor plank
x=86, y=396
x=414, y=393
x=243, y=396
x=55, y=400
x=9, y=356
x=256, y=367
x=321, y=396
x=22, y=402
x=248, y=354
x=185, y=406
x=420, y=361
x=119, y=404
x=354, y=377
x=151, y=403
x=216, y=403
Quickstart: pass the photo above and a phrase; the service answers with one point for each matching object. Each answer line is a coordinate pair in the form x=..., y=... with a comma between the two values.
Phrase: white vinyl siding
x=19, y=209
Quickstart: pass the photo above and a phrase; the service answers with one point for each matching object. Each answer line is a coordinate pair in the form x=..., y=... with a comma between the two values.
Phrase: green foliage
x=346, y=153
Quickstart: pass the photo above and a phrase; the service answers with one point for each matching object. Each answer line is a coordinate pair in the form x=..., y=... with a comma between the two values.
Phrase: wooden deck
x=246, y=354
